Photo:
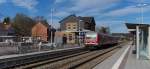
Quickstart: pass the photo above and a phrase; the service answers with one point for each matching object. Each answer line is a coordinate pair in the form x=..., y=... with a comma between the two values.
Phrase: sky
x=110, y=13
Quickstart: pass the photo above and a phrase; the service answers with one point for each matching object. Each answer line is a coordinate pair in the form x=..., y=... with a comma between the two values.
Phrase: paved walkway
x=133, y=63
x=109, y=63
x=129, y=60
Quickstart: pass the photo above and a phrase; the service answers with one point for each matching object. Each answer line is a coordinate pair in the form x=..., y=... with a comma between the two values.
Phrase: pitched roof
x=70, y=18
x=74, y=18
x=133, y=25
x=43, y=22
x=87, y=19
x=47, y=25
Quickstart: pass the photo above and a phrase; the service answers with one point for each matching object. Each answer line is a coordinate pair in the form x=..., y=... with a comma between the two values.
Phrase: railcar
x=95, y=40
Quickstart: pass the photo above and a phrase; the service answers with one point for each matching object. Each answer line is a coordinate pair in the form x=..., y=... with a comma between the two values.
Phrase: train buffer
x=124, y=59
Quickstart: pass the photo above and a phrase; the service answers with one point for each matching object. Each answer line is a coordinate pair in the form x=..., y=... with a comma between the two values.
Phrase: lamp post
x=141, y=6
x=51, y=16
x=51, y=32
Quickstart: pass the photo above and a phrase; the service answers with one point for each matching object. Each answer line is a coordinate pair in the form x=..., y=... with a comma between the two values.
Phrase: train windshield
x=92, y=36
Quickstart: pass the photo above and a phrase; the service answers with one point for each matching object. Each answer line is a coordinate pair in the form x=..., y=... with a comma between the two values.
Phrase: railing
x=4, y=44
x=21, y=47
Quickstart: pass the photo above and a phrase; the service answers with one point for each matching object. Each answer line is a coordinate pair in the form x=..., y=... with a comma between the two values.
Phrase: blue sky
x=112, y=13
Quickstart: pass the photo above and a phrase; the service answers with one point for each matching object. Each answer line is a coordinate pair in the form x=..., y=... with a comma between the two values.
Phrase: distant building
x=6, y=29
x=58, y=37
x=123, y=36
x=42, y=31
x=72, y=25
x=6, y=32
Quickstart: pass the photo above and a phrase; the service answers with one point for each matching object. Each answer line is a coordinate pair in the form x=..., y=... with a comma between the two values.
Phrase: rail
x=72, y=61
x=12, y=61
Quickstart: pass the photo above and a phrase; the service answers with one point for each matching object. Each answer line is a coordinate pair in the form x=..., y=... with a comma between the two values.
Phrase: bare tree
x=103, y=29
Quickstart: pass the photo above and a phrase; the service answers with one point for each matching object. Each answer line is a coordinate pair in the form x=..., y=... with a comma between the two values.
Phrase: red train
x=95, y=40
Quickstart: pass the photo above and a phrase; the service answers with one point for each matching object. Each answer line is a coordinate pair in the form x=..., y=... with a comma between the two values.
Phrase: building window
x=70, y=37
x=69, y=27
x=74, y=27
x=68, y=24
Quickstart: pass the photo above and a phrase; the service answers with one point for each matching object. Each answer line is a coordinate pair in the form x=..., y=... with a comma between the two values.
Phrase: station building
x=74, y=27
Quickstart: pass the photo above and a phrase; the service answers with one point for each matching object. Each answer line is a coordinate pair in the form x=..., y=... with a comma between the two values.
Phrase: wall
x=39, y=30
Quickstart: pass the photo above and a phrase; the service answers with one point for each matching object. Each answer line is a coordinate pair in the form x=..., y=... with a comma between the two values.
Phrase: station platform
x=124, y=59
x=133, y=63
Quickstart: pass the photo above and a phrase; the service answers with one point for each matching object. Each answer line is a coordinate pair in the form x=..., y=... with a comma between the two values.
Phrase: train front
x=91, y=40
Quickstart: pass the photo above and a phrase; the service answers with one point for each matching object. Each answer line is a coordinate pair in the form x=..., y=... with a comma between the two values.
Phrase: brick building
x=72, y=25
x=42, y=31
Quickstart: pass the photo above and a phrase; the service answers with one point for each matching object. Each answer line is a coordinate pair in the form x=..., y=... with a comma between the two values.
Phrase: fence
x=22, y=47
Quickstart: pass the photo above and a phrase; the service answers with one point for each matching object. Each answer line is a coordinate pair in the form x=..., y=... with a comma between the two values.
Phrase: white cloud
x=115, y=26
x=3, y=1
x=55, y=23
x=59, y=1
x=126, y=11
x=92, y=12
x=138, y=1
x=61, y=14
x=86, y=4
x=29, y=4
x=85, y=7
x=98, y=9
x=91, y=8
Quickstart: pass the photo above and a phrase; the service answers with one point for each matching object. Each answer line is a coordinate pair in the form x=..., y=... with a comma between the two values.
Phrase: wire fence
x=21, y=47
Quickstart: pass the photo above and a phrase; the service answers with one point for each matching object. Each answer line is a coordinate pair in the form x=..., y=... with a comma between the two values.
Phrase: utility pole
x=51, y=40
x=79, y=29
x=141, y=6
x=52, y=29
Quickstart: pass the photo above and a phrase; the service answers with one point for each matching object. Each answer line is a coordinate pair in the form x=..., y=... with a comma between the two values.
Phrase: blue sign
x=82, y=33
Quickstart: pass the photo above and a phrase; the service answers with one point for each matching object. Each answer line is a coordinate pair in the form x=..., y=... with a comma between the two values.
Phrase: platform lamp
x=51, y=32
x=141, y=6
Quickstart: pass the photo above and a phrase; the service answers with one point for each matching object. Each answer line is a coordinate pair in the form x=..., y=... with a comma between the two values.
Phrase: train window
x=91, y=37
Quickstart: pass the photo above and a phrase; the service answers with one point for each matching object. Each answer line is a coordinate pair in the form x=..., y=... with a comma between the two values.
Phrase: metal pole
x=137, y=42
x=40, y=46
x=149, y=42
x=51, y=26
x=142, y=9
x=79, y=31
x=142, y=15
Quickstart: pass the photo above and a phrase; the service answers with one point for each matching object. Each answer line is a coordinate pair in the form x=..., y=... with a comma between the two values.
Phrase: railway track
x=15, y=61
x=82, y=60
x=35, y=65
